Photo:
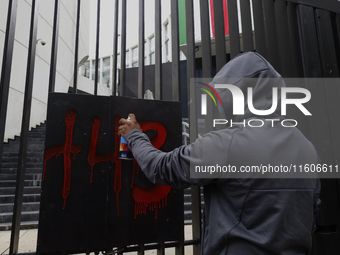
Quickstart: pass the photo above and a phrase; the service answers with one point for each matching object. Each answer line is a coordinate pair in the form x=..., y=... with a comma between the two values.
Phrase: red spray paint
x=154, y=197
x=114, y=157
x=67, y=149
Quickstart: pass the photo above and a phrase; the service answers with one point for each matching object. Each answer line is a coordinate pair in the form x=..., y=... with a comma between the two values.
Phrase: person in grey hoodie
x=242, y=215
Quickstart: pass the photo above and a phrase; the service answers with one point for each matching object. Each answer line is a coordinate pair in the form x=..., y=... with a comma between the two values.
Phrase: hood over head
x=249, y=70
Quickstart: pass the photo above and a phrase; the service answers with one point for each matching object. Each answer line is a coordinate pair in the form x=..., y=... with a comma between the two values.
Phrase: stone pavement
x=28, y=242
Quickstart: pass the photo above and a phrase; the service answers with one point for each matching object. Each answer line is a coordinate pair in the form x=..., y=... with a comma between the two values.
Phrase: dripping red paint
x=67, y=149
x=152, y=198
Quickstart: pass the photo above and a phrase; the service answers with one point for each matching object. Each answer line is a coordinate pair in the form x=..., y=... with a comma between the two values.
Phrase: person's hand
x=127, y=125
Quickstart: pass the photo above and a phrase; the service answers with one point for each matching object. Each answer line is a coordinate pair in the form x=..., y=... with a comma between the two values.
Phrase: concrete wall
x=66, y=45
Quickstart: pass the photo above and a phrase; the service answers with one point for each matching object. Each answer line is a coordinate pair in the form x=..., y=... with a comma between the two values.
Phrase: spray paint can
x=124, y=151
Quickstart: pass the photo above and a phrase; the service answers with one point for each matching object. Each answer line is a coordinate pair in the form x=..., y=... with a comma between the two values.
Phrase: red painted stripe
x=212, y=17
x=225, y=14
x=226, y=21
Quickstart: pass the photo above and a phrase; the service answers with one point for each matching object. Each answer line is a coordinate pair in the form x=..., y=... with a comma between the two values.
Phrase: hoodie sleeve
x=163, y=168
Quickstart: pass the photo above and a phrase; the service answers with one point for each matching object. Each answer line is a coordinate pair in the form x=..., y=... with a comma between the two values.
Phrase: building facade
x=65, y=57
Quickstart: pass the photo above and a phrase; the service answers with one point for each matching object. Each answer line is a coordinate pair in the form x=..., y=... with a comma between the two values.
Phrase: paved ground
x=28, y=242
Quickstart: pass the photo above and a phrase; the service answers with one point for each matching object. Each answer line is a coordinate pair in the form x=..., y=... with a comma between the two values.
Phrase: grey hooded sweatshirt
x=249, y=216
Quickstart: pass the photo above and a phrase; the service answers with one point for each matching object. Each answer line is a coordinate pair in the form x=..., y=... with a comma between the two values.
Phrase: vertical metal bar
x=221, y=57
x=294, y=40
x=161, y=249
x=158, y=72
x=97, y=49
x=176, y=96
x=283, y=38
x=312, y=68
x=141, y=249
x=118, y=253
x=141, y=50
x=158, y=50
x=191, y=68
x=115, y=47
x=330, y=69
x=24, y=130
x=206, y=41
x=195, y=196
x=260, y=35
x=320, y=136
x=247, y=30
x=309, y=42
x=75, y=70
x=271, y=34
x=179, y=249
x=326, y=43
x=196, y=217
x=296, y=65
x=337, y=18
x=234, y=34
x=7, y=67
x=206, y=57
x=123, y=50
x=175, y=52
x=336, y=25
x=54, y=47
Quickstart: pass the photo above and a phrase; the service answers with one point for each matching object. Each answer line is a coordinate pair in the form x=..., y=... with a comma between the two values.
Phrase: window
x=166, y=39
x=93, y=69
x=106, y=72
x=118, y=61
x=135, y=56
x=145, y=55
x=152, y=50
x=127, y=59
x=85, y=69
x=117, y=73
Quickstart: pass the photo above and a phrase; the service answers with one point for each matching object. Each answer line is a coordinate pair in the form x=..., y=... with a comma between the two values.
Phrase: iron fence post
x=7, y=67
x=19, y=190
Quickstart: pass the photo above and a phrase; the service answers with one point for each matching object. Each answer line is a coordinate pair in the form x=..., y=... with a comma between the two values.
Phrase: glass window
x=85, y=69
x=94, y=68
x=145, y=55
x=166, y=37
x=118, y=72
x=118, y=61
x=106, y=72
x=135, y=57
x=166, y=31
x=127, y=59
x=152, y=44
x=152, y=50
x=152, y=58
x=167, y=50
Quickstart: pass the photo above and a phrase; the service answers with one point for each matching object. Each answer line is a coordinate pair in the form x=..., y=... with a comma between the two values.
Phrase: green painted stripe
x=182, y=22
x=208, y=92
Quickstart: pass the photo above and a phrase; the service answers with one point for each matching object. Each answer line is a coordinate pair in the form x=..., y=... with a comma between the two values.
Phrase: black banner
x=93, y=201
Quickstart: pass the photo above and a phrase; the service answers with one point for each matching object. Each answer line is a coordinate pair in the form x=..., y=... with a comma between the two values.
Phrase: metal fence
x=299, y=38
